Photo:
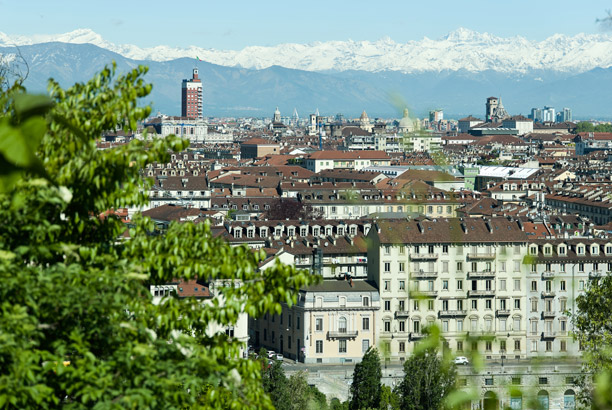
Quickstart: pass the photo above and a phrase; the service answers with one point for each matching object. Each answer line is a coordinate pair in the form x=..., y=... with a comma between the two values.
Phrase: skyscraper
x=191, y=97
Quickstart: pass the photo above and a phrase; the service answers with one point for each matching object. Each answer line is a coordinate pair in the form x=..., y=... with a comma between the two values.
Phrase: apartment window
x=365, y=323
x=517, y=325
x=319, y=346
x=445, y=325
x=548, y=346
x=562, y=305
x=473, y=324
x=402, y=249
x=365, y=345
x=387, y=267
x=562, y=267
x=387, y=285
x=517, y=303
x=488, y=346
x=459, y=325
x=488, y=304
x=387, y=305
x=517, y=284
x=517, y=266
x=517, y=345
x=401, y=305
x=430, y=305
x=387, y=326
x=502, y=346
x=430, y=285
x=534, y=305
x=534, y=286
x=562, y=285
x=534, y=345
x=387, y=250
x=581, y=267
x=445, y=249
x=563, y=325
x=548, y=286
x=502, y=266
x=563, y=346
x=445, y=305
x=341, y=346
x=534, y=268
x=459, y=266
x=445, y=285
x=319, y=324
x=402, y=285
x=416, y=326
x=543, y=380
x=581, y=285
x=415, y=305
x=402, y=347
x=402, y=266
x=460, y=346
x=502, y=284
x=459, y=285
x=366, y=301
x=474, y=346
x=402, y=326
x=445, y=267
x=502, y=304
x=474, y=266
x=459, y=305
x=474, y=304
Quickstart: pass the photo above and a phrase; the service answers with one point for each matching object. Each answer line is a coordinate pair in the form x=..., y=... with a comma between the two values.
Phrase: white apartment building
x=465, y=276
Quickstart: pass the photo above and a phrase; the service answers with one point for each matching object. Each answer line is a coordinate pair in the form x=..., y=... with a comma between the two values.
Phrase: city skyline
x=243, y=24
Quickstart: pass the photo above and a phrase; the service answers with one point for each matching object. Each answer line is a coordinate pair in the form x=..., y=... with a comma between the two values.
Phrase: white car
x=278, y=356
x=461, y=360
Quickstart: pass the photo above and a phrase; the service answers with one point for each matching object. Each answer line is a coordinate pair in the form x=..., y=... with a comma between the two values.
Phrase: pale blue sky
x=234, y=24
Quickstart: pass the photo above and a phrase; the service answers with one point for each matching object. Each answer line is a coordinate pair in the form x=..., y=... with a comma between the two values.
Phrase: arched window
x=543, y=399
x=516, y=400
x=490, y=401
x=569, y=400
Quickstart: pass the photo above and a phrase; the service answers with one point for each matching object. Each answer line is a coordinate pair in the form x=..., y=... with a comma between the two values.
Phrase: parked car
x=461, y=360
x=271, y=354
x=278, y=356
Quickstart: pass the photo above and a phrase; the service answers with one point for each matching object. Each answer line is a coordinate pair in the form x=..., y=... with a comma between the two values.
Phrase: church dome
x=406, y=123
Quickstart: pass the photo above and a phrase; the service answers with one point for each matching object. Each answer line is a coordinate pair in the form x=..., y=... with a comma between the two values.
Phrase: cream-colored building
x=332, y=322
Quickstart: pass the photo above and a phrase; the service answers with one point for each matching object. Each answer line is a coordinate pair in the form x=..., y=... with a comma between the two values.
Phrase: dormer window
x=237, y=233
x=547, y=250
x=580, y=250
x=315, y=231
x=250, y=233
x=562, y=250
x=264, y=232
x=533, y=250
x=594, y=250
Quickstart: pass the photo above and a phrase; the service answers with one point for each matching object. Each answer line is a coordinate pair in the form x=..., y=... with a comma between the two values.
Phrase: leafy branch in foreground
x=78, y=328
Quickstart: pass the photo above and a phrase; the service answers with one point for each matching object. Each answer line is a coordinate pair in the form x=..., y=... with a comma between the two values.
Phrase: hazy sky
x=234, y=24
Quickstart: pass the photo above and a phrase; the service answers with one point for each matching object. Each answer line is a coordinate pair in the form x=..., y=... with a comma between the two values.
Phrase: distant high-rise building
x=536, y=114
x=548, y=114
x=565, y=115
x=277, y=116
x=436, y=115
x=191, y=97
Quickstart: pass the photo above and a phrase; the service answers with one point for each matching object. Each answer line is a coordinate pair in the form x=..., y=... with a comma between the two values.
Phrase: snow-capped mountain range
x=461, y=49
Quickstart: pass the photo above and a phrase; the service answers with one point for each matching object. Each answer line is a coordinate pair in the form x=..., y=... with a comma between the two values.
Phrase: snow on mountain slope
x=461, y=49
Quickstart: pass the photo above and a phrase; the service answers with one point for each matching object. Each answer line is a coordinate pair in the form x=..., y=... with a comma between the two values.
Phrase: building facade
x=192, y=97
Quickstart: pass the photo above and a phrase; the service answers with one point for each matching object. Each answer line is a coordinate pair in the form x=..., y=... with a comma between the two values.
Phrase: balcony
x=423, y=293
x=548, y=315
x=548, y=294
x=415, y=336
x=481, y=275
x=480, y=293
x=342, y=334
x=480, y=256
x=424, y=275
x=595, y=274
x=402, y=313
x=423, y=256
x=452, y=313
x=548, y=275
x=548, y=335
x=502, y=312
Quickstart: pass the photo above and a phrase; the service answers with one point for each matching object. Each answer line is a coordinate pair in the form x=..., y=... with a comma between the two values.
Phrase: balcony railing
x=548, y=335
x=548, y=314
x=342, y=334
x=402, y=313
x=480, y=293
x=423, y=256
x=502, y=312
x=595, y=274
x=481, y=274
x=548, y=294
x=452, y=313
x=480, y=255
x=423, y=293
x=415, y=336
x=547, y=275
x=424, y=275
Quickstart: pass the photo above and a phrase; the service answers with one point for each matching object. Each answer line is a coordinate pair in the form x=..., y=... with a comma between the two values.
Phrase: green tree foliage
x=78, y=328
x=586, y=126
x=366, y=386
x=291, y=393
x=428, y=380
x=593, y=330
x=389, y=400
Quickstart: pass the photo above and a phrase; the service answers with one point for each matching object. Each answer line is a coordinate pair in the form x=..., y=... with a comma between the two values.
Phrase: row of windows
x=483, y=267
x=342, y=344
x=472, y=249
